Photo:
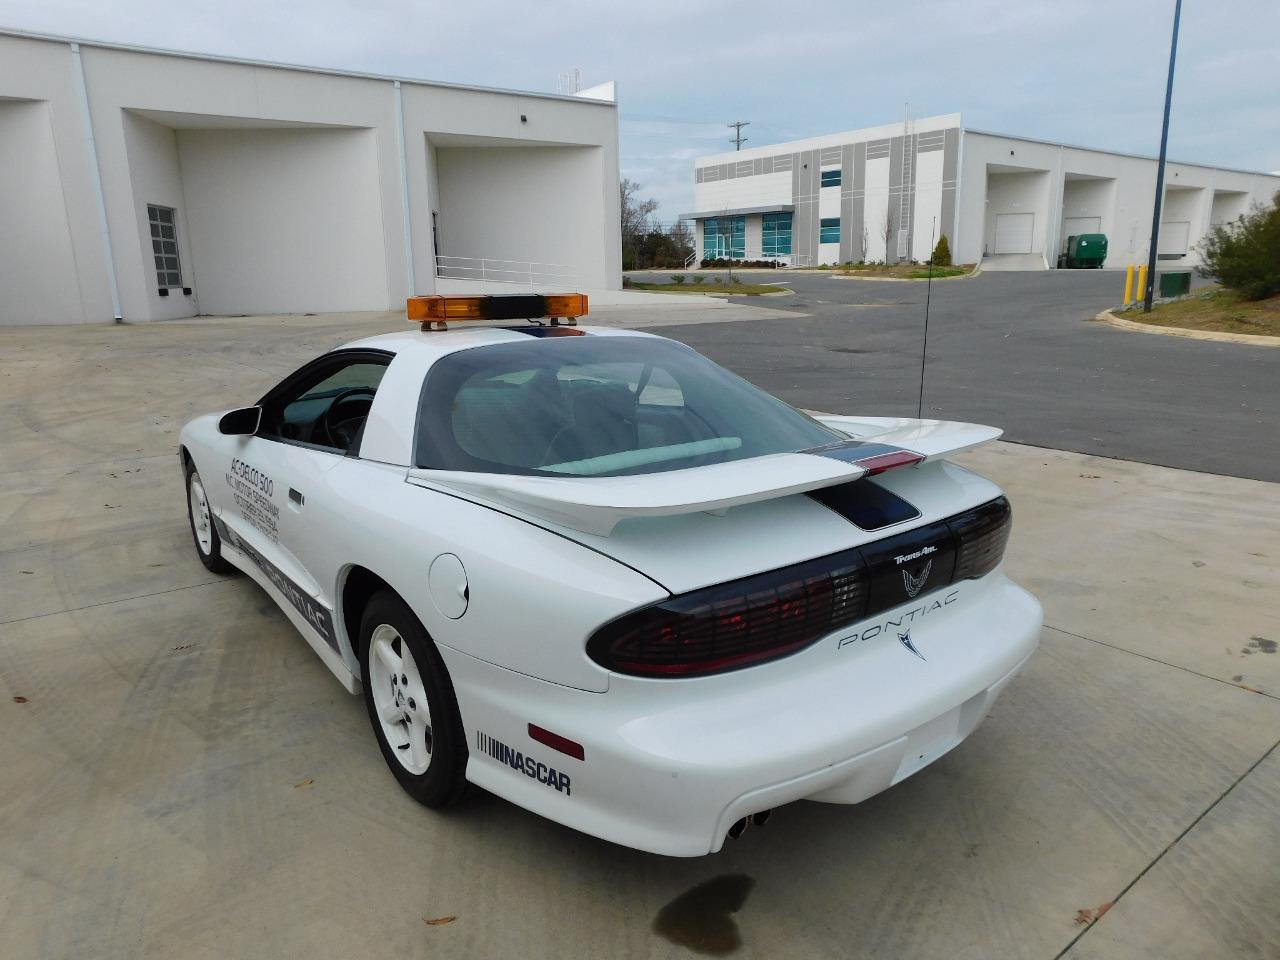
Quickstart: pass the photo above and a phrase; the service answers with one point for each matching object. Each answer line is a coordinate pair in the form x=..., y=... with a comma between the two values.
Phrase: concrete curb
x=1120, y=323
x=850, y=276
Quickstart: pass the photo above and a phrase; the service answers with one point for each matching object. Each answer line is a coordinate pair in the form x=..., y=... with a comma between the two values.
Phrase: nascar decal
x=527, y=765
x=254, y=492
x=315, y=613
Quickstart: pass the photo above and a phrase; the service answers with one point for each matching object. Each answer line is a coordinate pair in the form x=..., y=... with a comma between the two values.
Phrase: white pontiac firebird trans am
x=596, y=574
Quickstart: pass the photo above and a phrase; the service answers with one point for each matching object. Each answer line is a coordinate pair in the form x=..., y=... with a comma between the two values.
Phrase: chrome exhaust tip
x=739, y=828
x=761, y=818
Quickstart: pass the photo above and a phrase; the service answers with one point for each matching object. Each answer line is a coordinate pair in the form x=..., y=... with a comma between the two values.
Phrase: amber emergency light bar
x=434, y=312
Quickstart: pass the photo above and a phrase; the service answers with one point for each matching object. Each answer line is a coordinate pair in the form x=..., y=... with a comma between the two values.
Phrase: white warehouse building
x=148, y=185
x=882, y=194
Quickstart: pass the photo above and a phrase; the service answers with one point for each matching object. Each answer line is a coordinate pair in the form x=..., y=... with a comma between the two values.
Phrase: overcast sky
x=1078, y=71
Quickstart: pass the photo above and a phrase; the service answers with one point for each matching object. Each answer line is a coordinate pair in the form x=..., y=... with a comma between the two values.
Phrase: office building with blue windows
x=885, y=194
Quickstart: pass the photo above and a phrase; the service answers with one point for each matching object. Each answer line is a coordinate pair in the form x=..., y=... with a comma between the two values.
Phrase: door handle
x=296, y=496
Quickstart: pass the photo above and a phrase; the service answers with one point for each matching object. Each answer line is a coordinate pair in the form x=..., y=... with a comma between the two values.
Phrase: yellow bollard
x=1128, y=285
x=1142, y=283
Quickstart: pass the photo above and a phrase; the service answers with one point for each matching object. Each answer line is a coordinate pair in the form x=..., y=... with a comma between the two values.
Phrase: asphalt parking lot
x=1015, y=349
x=181, y=777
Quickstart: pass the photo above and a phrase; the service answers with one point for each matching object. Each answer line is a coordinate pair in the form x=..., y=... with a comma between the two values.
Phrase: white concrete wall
x=37, y=258
x=522, y=204
x=875, y=207
x=585, y=130
x=155, y=177
x=1228, y=206
x=38, y=142
x=285, y=221
x=927, y=219
x=759, y=191
x=1186, y=212
x=1086, y=199
x=144, y=106
x=1018, y=193
x=753, y=235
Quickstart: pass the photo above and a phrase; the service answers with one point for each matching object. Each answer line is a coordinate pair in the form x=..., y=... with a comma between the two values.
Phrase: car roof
x=437, y=343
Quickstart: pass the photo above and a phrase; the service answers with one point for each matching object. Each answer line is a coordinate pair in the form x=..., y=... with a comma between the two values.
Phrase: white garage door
x=1074, y=226
x=1174, y=235
x=1014, y=232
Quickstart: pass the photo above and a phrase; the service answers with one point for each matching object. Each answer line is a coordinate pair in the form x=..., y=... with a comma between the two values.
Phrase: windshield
x=597, y=407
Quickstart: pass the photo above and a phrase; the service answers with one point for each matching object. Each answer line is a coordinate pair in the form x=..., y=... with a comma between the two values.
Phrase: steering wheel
x=341, y=430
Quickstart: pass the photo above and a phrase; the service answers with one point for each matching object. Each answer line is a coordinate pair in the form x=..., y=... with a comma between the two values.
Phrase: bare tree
x=886, y=231
x=862, y=256
x=635, y=212
x=681, y=238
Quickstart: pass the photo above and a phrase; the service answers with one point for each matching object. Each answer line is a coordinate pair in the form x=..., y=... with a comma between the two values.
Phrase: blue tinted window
x=775, y=234
x=724, y=237
x=830, y=230
x=831, y=178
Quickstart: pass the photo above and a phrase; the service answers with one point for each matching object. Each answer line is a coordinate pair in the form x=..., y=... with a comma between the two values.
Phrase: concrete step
x=1013, y=261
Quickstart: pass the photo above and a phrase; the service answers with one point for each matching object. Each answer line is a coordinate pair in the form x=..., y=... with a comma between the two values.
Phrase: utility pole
x=1164, y=142
x=738, y=138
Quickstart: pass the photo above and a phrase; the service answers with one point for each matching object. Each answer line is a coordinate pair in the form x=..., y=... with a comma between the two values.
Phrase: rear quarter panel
x=535, y=597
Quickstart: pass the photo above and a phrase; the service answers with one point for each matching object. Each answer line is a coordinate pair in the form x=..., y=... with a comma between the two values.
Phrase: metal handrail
x=530, y=273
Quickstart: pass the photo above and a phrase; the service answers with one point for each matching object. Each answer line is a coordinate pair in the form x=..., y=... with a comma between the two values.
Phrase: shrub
x=942, y=252
x=721, y=263
x=1245, y=255
x=677, y=278
x=699, y=278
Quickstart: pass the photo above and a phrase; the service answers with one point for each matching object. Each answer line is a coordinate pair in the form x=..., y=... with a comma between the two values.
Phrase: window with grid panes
x=164, y=244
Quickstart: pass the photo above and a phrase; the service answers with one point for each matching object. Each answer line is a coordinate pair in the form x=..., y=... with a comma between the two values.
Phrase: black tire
x=443, y=783
x=212, y=557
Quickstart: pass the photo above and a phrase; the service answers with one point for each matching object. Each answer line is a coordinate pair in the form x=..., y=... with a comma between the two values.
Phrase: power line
x=738, y=138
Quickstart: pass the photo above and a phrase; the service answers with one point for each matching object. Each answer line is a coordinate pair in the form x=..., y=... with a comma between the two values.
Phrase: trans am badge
x=905, y=640
x=913, y=585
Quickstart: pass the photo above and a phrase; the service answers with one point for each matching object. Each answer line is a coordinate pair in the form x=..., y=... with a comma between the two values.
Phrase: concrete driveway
x=1015, y=349
x=181, y=777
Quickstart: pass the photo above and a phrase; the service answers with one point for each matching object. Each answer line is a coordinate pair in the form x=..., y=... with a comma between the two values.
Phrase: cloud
x=1090, y=73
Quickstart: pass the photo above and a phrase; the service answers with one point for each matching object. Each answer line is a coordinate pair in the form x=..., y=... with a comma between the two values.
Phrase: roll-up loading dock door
x=1014, y=232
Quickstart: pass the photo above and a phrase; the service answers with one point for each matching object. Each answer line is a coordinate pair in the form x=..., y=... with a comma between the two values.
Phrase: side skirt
x=327, y=654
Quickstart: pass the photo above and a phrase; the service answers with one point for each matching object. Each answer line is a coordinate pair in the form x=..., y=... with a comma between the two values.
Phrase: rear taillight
x=736, y=624
x=981, y=534
x=770, y=615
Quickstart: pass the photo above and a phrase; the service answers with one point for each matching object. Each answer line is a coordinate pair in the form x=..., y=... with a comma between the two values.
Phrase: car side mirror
x=241, y=423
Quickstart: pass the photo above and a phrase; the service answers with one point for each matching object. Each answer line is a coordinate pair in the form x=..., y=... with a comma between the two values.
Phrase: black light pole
x=1164, y=143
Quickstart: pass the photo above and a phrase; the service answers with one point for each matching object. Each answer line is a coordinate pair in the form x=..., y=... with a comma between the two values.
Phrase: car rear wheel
x=203, y=531
x=411, y=703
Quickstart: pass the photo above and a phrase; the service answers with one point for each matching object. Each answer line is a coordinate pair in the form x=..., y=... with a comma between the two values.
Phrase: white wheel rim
x=400, y=699
x=201, y=522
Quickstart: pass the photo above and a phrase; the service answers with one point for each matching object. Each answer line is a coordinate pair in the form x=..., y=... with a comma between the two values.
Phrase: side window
x=326, y=409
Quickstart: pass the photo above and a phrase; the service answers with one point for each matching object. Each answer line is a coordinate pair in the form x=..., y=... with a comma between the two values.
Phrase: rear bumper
x=669, y=765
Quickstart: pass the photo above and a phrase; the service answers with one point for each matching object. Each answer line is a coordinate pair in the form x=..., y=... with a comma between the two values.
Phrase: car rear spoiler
x=597, y=504
x=934, y=439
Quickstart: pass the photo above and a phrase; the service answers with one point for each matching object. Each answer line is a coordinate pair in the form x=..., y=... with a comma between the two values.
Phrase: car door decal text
x=254, y=492
x=314, y=612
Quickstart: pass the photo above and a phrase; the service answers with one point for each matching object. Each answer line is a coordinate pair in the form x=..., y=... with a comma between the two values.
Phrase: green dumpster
x=1175, y=283
x=1086, y=250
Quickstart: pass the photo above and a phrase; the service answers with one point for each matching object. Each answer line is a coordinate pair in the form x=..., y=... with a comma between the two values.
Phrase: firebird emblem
x=905, y=640
x=914, y=585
